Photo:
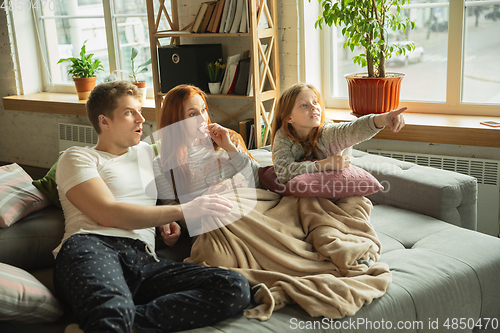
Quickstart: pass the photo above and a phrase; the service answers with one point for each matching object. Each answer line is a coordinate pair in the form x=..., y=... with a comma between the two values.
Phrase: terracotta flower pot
x=142, y=87
x=84, y=86
x=373, y=95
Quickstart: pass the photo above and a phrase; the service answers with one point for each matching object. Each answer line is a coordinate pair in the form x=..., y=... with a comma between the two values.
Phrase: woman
x=199, y=155
x=292, y=250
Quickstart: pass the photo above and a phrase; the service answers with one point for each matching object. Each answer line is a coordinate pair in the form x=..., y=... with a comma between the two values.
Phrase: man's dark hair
x=103, y=100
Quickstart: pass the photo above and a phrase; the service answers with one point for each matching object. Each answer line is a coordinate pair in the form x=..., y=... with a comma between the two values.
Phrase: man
x=107, y=272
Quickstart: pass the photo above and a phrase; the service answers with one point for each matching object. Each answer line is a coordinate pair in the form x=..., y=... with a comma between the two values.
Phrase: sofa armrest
x=445, y=195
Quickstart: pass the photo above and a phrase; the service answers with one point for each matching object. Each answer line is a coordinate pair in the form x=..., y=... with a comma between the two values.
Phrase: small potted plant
x=215, y=72
x=84, y=71
x=365, y=24
x=142, y=68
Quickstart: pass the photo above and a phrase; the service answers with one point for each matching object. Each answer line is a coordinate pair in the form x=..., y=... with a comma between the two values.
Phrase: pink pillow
x=328, y=184
x=24, y=298
x=18, y=196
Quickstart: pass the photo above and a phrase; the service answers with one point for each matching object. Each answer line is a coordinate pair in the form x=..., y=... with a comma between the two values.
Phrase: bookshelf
x=265, y=83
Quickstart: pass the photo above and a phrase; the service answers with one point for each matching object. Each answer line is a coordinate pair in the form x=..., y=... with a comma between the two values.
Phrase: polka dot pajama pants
x=112, y=284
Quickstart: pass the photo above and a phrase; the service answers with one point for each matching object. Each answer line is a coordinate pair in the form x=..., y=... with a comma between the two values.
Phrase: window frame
x=454, y=70
x=112, y=42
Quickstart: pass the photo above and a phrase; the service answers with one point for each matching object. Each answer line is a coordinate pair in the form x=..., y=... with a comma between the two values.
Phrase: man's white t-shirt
x=130, y=178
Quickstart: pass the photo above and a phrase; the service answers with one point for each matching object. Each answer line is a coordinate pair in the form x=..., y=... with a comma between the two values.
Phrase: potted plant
x=84, y=72
x=365, y=24
x=142, y=68
x=215, y=72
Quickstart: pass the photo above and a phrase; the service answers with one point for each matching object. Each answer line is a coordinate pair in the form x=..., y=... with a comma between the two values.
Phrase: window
x=453, y=68
x=110, y=27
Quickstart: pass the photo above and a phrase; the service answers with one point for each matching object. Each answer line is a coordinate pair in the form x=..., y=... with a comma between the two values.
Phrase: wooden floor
x=34, y=172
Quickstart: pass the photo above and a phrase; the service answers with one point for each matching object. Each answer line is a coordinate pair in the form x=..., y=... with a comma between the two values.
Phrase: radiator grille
x=76, y=135
x=485, y=171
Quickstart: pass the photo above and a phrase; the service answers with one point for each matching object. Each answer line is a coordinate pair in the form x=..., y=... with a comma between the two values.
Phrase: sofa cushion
x=24, y=299
x=479, y=252
x=47, y=185
x=328, y=184
x=28, y=244
x=18, y=197
x=445, y=195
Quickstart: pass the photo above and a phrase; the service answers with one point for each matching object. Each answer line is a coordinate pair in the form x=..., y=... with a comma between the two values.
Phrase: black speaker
x=185, y=64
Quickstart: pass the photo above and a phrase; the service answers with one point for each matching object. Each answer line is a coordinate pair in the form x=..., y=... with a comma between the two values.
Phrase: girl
x=300, y=133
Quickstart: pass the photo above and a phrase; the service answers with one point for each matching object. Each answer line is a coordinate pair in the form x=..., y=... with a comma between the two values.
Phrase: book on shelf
x=241, y=85
x=230, y=15
x=216, y=17
x=233, y=72
x=199, y=17
x=207, y=16
x=231, y=69
x=211, y=22
x=238, y=15
x=235, y=76
x=223, y=19
x=244, y=129
x=251, y=138
x=245, y=19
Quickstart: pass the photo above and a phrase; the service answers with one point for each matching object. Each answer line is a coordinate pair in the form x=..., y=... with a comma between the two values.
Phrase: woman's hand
x=394, y=119
x=221, y=137
x=170, y=233
x=334, y=162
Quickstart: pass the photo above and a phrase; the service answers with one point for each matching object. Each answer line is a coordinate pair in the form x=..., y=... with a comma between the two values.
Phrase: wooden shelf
x=166, y=34
x=265, y=65
x=436, y=128
x=230, y=96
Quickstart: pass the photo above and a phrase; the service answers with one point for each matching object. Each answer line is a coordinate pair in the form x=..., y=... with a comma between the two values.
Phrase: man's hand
x=211, y=204
x=394, y=119
x=334, y=162
x=170, y=233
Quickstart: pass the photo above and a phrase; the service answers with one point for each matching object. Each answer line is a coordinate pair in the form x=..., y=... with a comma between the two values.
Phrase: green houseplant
x=136, y=70
x=366, y=24
x=142, y=68
x=84, y=71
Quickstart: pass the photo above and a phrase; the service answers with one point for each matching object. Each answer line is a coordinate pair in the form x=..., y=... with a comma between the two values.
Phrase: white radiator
x=76, y=135
x=487, y=173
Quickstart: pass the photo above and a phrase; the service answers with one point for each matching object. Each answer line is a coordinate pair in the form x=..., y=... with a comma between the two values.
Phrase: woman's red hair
x=284, y=108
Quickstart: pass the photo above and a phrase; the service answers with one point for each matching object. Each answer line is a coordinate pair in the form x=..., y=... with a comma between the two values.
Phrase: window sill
x=57, y=103
x=432, y=128
x=436, y=128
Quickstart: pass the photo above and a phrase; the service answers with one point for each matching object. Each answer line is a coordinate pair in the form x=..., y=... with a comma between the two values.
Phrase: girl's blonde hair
x=284, y=108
